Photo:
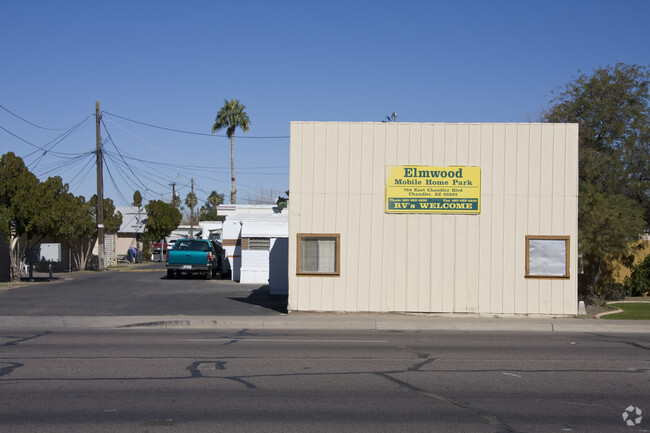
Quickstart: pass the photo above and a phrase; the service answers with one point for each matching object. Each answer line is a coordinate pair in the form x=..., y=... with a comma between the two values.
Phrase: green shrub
x=606, y=292
x=638, y=283
x=612, y=291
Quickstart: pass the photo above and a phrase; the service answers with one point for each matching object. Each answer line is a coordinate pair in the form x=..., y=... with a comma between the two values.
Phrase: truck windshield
x=192, y=245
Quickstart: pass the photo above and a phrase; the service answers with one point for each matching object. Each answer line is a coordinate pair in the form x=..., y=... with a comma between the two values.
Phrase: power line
x=180, y=167
x=180, y=131
x=122, y=166
x=119, y=192
x=88, y=167
x=60, y=138
x=38, y=126
x=127, y=174
x=151, y=176
x=121, y=157
x=20, y=138
x=55, y=142
x=65, y=164
x=128, y=182
x=135, y=173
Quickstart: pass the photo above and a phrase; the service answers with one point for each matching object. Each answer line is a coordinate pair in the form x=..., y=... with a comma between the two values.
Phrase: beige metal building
x=436, y=218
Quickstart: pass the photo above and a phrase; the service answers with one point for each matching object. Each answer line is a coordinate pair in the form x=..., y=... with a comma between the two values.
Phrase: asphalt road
x=137, y=290
x=308, y=381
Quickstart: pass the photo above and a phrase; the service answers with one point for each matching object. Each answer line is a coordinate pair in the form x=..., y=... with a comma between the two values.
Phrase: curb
x=328, y=323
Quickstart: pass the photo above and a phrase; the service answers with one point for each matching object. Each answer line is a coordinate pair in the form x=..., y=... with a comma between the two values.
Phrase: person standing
x=138, y=257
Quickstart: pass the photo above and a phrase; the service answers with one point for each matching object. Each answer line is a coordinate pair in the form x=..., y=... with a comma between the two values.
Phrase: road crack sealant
x=197, y=368
x=493, y=420
x=8, y=367
x=15, y=340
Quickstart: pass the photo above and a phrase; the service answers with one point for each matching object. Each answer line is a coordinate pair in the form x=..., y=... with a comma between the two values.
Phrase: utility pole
x=192, y=213
x=173, y=185
x=100, y=190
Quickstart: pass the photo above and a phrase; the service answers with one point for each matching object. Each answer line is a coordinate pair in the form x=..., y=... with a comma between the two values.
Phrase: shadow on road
x=38, y=279
x=263, y=298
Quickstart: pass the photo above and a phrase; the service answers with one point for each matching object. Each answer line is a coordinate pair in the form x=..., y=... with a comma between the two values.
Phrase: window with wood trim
x=319, y=254
x=547, y=256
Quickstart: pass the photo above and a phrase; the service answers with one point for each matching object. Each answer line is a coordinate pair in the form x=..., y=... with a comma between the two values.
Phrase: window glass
x=318, y=254
x=327, y=255
x=309, y=255
x=193, y=245
x=547, y=256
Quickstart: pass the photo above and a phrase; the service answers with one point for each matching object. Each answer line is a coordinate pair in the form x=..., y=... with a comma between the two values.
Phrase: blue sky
x=172, y=64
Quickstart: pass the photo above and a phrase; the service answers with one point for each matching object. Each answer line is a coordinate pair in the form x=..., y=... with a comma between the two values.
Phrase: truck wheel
x=170, y=274
x=208, y=275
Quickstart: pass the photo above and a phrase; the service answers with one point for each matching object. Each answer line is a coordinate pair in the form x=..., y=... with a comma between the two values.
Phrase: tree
x=191, y=202
x=612, y=110
x=137, y=199
x=75, y=220
x=162, y=219
x=78, y=228
x=38, y=209
x=112, y=220
x=208, y=212
x=231, y=116
x=17, y=186
x=176, y=201
x=18, y=206
x=608, y=225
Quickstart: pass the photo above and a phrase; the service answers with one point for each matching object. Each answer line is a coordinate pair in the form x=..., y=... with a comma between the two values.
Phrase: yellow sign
x=420, y=189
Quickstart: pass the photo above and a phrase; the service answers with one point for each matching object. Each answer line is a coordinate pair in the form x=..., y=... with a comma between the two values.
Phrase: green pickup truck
x=194, y=256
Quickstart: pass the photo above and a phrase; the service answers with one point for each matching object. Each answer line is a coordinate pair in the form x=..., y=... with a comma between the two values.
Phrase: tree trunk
x=15, y=259
x=593, y=288
x=233, y=191
x=18, y=254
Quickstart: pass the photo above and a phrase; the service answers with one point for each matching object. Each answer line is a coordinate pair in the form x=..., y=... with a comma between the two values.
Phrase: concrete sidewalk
x=316, y=321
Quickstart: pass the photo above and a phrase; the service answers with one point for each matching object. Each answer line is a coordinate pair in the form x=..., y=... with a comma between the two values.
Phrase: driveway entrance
x=134, y=290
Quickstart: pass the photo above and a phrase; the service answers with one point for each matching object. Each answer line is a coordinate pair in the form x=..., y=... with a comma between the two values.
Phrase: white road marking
x=221, y=340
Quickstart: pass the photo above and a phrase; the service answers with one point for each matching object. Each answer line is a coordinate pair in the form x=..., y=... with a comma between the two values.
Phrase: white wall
x=433, y=262
x=232, y=247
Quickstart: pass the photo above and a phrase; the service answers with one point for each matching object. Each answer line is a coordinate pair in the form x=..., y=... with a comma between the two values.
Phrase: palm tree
x=231, y=116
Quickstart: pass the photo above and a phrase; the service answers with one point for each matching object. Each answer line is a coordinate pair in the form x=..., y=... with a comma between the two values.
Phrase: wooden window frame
x=567, y=251
x=336, y=236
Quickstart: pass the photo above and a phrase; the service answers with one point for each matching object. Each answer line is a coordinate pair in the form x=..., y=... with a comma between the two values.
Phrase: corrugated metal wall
x=433, y=262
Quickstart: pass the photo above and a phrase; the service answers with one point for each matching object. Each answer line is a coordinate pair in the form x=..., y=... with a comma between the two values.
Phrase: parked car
x=156, y=254
x=194, y=256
